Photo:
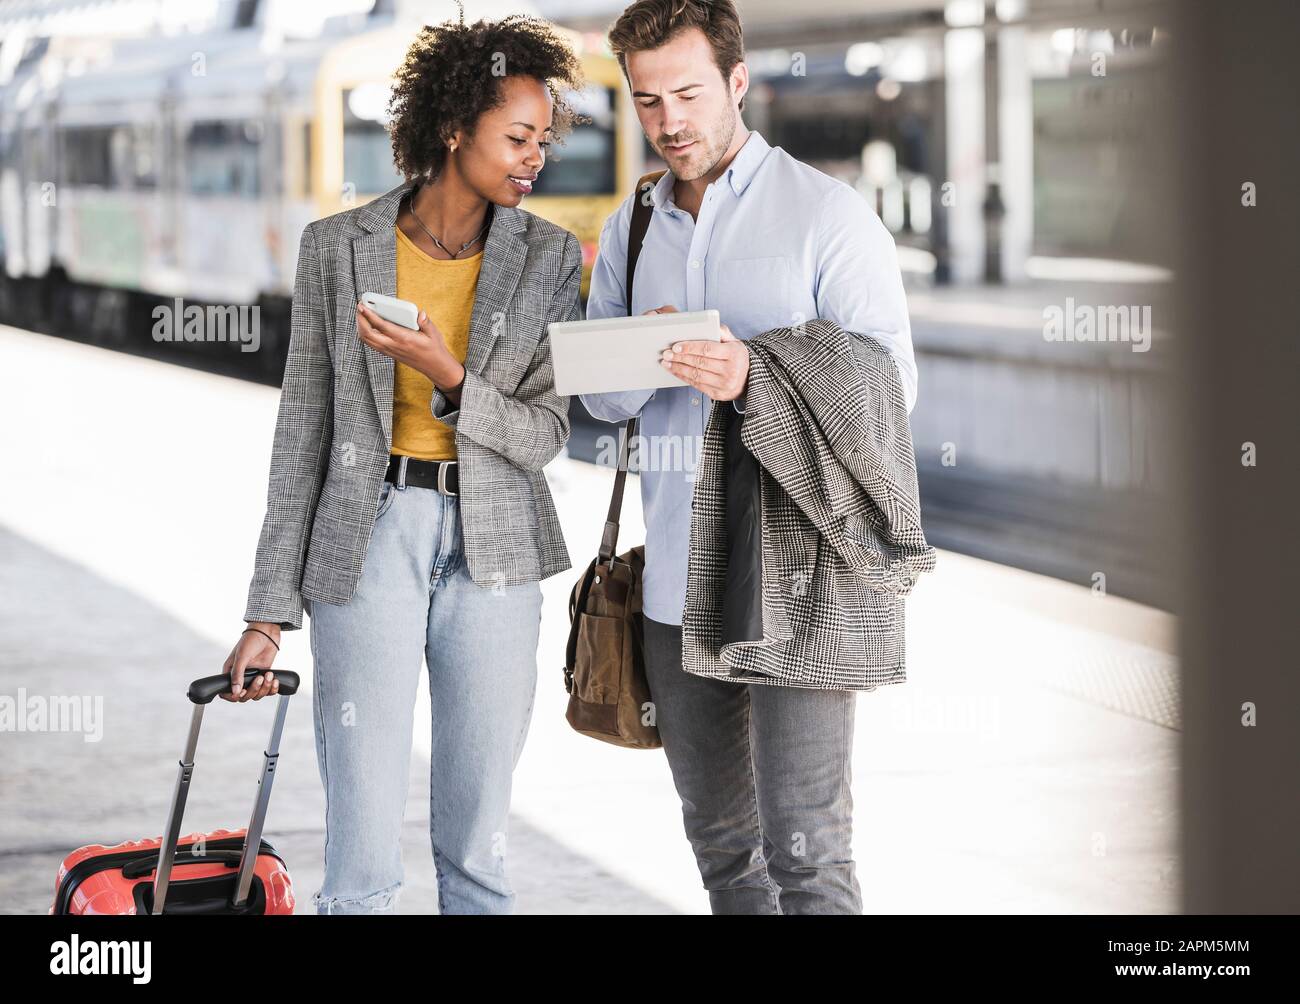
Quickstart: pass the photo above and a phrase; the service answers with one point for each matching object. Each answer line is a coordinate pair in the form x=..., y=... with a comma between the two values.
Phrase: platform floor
x=1028, y=766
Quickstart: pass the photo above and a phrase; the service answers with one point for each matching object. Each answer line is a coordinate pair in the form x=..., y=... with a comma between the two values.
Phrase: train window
x=33, y=154
x=86, y=155
x=133, y=160
x=367, y=149
x=584, y=164
x=121, y=156
x=221, y=158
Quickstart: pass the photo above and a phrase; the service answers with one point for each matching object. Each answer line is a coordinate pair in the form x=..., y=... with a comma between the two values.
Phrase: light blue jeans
x=416, y=600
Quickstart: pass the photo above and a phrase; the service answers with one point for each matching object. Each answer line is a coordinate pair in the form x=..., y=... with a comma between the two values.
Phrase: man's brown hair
x=648, y=24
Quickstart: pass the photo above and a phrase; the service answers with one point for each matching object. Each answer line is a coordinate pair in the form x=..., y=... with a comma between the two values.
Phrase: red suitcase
x=202, y=873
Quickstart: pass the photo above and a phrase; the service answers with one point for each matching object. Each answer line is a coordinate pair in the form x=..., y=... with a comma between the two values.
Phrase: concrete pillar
x=962, y=188
x=1016, y=151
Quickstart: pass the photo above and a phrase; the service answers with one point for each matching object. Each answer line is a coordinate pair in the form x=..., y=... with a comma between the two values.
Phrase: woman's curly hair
x=452, y=74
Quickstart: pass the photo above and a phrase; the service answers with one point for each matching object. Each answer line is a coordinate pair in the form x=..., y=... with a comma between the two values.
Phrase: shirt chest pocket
x=753, y=295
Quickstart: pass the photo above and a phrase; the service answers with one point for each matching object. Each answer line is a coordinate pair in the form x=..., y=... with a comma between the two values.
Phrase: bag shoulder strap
x=641, y=209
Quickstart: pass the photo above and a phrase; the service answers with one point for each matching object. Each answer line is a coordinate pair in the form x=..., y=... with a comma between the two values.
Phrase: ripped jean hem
x=381, y=902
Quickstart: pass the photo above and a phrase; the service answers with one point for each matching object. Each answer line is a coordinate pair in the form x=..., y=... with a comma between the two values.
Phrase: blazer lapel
x=374, y=269
x=504, y=256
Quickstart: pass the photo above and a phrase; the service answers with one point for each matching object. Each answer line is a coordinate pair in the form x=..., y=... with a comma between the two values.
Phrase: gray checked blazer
x=806, y=521
x=334, y=430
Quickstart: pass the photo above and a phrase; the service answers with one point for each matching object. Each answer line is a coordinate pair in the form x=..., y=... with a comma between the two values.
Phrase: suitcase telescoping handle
x=201, y=693
x=204, y=690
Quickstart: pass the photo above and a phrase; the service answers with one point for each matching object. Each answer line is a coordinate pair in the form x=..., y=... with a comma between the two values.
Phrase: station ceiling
x=780, y=23
x=775, y=21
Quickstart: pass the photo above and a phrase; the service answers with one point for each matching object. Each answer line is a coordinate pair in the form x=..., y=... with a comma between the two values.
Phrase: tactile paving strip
x=1109, y=672
x=1136, y=681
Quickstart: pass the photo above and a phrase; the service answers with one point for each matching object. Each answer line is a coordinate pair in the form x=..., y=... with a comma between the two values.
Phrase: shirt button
x=695, y=400
x=695, y=263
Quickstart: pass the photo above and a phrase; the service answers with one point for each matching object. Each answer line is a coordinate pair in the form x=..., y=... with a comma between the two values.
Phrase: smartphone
x=390, y=308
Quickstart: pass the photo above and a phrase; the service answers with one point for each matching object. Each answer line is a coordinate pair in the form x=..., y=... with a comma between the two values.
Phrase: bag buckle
x=608, y=542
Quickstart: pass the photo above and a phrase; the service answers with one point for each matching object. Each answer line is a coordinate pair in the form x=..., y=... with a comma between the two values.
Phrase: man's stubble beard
x=726, y=131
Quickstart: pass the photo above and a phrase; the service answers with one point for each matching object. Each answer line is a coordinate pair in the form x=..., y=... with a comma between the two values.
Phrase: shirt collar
x=743, y=166
x=739, y=173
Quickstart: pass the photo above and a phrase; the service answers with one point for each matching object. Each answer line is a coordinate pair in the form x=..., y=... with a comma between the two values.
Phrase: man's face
x=687, y=110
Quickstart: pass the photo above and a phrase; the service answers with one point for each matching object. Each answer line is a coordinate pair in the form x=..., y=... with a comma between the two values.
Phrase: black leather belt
x=440, y=475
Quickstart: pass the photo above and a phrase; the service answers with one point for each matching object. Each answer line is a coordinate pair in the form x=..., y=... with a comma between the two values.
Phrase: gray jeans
x=763, y=773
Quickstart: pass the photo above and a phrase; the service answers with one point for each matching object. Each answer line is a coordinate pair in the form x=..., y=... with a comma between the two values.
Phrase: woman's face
x=507, y=150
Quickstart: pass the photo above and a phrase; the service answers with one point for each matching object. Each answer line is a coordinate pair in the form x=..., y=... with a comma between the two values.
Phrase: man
x=740, y=226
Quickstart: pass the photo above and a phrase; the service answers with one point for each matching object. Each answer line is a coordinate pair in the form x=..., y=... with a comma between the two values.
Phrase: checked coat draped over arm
x=806, y=539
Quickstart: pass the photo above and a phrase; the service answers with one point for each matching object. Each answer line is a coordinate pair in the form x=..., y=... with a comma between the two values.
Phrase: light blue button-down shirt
x=776, y=243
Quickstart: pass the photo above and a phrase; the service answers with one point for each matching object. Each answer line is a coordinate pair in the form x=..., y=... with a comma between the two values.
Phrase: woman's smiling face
x=507, y=150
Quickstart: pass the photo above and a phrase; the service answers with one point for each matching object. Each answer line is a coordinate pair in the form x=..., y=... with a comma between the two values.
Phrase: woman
x=407, y=511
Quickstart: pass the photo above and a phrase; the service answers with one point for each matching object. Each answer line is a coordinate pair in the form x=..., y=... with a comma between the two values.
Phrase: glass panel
x=585, y=164
x=367, y=153
x=221, y=158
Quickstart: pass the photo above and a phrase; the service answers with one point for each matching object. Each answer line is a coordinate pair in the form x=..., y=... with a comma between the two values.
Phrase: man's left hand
x=718, y=369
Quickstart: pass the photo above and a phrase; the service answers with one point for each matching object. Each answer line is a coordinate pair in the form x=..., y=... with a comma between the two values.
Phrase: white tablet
x=622, y=353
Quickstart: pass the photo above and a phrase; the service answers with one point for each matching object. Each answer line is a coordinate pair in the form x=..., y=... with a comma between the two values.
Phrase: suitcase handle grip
x=144, y=865
x=203, y=690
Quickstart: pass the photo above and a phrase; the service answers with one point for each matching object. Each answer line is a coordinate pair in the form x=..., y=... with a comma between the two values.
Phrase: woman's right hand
x=253, y=649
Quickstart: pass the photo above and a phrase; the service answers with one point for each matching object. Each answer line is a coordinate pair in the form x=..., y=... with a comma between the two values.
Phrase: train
x=136, y=172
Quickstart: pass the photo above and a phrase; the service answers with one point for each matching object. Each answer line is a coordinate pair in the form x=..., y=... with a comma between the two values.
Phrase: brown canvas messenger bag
x=604, y=670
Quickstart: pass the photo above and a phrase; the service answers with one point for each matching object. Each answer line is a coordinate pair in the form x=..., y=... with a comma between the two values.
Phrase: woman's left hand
x=424, y=350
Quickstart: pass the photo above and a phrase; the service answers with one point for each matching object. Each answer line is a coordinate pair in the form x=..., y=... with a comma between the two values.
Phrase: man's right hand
x=253, y=649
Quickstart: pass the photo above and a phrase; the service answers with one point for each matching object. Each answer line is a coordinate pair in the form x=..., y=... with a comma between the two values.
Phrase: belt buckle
x=401, y=471
x=442, y=477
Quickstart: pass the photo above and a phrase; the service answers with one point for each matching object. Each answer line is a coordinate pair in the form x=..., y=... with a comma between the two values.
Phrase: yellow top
x=443, y=289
